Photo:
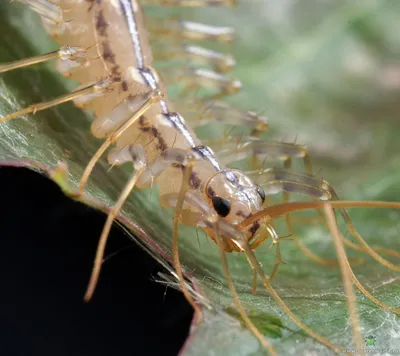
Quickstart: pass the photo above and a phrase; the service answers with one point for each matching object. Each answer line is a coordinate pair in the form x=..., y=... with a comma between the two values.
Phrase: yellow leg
x=106, y=231
x=185, y=181
x=346, y=277
x=235, y=297
x=95, y=88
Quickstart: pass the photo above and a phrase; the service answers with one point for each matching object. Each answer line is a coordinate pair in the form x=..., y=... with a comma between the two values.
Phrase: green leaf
x=328, y=74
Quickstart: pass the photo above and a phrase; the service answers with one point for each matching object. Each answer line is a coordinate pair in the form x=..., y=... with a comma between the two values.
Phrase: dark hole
x=47, y=247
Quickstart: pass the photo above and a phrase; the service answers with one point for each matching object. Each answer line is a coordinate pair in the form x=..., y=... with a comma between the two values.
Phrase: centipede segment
x=133, y=113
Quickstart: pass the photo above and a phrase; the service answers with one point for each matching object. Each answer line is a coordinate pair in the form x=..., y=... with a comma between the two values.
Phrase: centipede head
x=235, y=197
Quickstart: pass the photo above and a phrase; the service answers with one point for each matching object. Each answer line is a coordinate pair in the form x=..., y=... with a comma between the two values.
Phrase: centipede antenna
x=175, y=243
x=235, y=296
x=346, y=277
x=272, y=212
x=106, y=231
x=154, y=97
x=89, y=90
x=286, y=208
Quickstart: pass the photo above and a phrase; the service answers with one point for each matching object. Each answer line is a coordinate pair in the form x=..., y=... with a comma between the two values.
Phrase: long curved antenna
x=275, y=211
x=286, y=208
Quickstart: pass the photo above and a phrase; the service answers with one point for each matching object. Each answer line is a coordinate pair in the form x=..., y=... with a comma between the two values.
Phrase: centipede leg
x=266, y=282
x=178, y=31
x=254, y=282
x=198, y=56
x=278, y=180
x=196, y=79
x=346, y=277
x=47, y=9
x=107, y=227
x=185, y=182
x=93, y=89
x=235, y=296
x=278, y=261
x=74, y=56
x=287, y=208
x=153, y=97
x=364, y=245
x=353, y=276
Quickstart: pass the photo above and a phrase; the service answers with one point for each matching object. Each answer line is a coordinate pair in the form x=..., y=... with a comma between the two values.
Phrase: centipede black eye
x=221, y=206
x=261, y=193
